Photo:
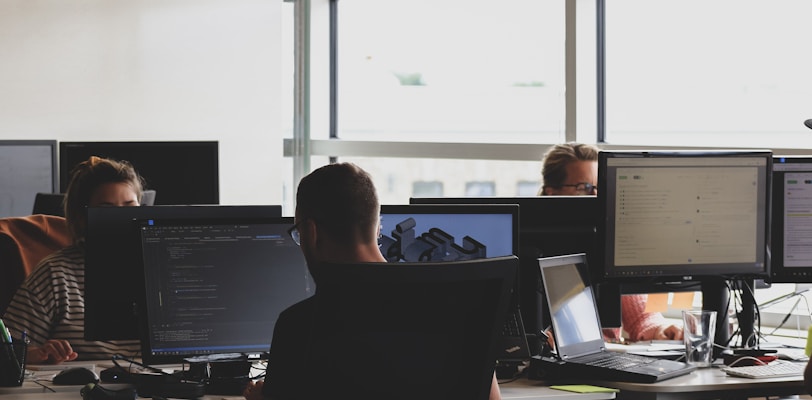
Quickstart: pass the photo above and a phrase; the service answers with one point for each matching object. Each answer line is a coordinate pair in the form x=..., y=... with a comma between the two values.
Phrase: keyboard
x=617, y=361
x=773, y=369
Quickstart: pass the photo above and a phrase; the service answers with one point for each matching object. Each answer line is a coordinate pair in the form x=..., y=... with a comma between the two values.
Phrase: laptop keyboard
x=618, y=361
x=512, y=326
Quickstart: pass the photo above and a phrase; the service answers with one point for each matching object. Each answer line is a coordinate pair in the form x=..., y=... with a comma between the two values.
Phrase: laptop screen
x=215, y=286
x=576, y=326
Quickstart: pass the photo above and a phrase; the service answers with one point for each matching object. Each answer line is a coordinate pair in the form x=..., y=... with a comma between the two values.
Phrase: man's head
x=338, y=214
x=570, y=169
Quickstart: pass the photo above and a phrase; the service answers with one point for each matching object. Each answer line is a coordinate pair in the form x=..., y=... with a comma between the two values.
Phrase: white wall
x=83, y=70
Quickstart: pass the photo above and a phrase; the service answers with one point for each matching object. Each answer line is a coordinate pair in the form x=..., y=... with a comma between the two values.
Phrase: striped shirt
x=50, y=305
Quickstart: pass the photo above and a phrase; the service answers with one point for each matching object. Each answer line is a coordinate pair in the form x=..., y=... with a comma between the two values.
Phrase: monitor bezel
x=681, y=273
x=779, y=273
x=145, y=329
x=114, y=284
x=54, y=167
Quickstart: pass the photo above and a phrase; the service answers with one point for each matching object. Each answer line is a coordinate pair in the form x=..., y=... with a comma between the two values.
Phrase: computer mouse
x=75, y=376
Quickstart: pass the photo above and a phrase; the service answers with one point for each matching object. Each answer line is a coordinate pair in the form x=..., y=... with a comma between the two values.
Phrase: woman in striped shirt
x=49, y=305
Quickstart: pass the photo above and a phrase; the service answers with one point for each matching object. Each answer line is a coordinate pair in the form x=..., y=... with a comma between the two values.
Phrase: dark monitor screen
x=548, y=226
x=217, y=286
x=684, y=215
x=114, y=277
x=27, y=167
x=421, y=233
x=791, y=220
x=180, y=172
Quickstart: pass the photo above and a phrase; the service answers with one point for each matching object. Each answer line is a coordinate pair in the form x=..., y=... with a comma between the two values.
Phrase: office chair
x=53, y=203
x=408, y=330
x=24, y=241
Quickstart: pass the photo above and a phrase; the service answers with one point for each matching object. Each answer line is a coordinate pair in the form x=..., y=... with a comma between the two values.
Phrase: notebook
x=577, y=330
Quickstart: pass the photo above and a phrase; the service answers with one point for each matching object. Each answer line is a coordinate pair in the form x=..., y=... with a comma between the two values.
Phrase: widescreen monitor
x=791, y=239
x=217, y=286
x=27, y=167
x=181, y=172
x=422, y=233
x=684, y=215
x=548, y=226
x=114, y=277
x=676, y=218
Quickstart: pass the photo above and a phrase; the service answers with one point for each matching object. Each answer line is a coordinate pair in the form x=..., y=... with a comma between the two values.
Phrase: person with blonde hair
x=49, y=305
x=571, y=169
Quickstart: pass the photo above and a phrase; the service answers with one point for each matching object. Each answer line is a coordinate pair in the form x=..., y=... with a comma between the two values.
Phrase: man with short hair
x=337, y=221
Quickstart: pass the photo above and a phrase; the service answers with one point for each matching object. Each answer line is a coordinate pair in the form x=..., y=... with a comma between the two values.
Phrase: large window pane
x=709, y=73
x=451, y=70
x=399, y=179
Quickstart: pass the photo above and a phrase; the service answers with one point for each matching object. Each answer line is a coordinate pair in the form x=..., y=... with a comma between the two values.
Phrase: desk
x=708, y=383
x=524, y=389
x=519, y=390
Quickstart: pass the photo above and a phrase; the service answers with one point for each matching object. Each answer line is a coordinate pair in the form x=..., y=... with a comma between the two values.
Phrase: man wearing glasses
x=337, y=221
x=571, y=169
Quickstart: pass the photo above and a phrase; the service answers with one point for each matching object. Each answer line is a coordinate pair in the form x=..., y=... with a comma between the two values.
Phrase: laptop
x=512, y=345
x=580, y=348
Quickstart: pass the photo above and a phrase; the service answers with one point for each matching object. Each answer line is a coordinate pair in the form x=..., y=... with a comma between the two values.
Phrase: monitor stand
x=716, y=296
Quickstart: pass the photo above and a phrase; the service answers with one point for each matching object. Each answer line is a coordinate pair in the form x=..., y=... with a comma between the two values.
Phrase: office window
x=479, y=189
x=451, y=177
x=427, y=189
x=528, y=188
x=451, y=70
x=708, y=73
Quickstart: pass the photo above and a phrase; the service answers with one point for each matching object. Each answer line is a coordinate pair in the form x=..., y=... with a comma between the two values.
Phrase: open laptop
x=580, y=347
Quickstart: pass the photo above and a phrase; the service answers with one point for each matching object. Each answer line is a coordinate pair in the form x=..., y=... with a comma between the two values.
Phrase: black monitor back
x=182, y=172
x=409, y=330
x=114, y=277
x=550, y=226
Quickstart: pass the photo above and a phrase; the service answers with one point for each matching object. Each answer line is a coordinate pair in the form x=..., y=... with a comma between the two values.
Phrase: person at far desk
x=571, y=169
x=337, y=221
x=49, y=305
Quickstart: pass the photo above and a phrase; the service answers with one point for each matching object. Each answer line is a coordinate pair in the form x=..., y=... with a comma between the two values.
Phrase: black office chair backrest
x=53, y=203
x=409, y=330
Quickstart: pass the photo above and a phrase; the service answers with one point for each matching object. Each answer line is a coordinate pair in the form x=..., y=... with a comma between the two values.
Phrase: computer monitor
x=217, y=286
x=27, y=167
x=114, y=277
x=693, y=216
x=422, y=233
x=181, y=172
x=548, y=226
x=684, y=215
x=791, y=239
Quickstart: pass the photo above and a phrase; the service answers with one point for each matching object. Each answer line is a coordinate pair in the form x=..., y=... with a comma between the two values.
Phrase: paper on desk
x=584, y=389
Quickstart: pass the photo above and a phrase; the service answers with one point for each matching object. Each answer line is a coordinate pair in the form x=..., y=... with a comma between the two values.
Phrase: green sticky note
x=584, y=389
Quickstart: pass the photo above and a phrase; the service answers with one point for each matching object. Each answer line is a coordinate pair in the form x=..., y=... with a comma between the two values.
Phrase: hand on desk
x=51, y=352
x=670, y=332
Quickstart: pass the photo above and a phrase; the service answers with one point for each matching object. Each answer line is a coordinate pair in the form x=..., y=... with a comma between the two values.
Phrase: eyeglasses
x=293, y=232
x=583, y=187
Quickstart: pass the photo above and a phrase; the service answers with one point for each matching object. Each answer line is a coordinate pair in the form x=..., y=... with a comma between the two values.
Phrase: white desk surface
x=709, y=383
x=706, y=383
